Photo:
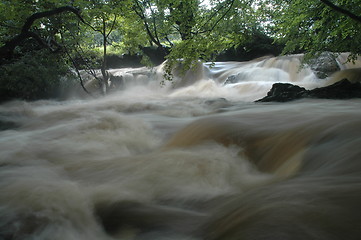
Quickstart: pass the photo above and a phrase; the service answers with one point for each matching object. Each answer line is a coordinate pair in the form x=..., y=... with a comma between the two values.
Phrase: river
x=195, y=159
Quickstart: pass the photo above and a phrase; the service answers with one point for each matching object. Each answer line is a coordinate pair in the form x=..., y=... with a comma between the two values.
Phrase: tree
x=59, y=33
x=31, y=58
x=317, y=25
x=194, y=31
x=6, y=51
x=191, y=30
x=342, y=10
x=102, y=19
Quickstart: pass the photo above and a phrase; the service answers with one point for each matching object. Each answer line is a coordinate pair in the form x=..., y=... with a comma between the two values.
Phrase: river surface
x=195, y=159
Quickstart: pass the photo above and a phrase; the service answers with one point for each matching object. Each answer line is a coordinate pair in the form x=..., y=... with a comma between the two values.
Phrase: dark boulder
x=343, y=89
x=284, y=92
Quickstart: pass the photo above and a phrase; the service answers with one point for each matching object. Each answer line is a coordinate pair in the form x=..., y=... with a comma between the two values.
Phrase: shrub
x=36, y=75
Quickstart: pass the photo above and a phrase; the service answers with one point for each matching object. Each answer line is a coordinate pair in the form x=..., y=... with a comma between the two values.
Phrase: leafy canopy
x=312, y=26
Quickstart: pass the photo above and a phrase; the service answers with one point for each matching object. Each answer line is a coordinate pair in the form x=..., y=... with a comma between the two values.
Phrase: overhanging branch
x=30, y=20
x=230, y=6
x=342, y=10
x=7, y=49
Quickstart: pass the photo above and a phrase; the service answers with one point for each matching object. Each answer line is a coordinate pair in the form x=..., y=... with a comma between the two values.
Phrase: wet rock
x=324, y=65
x=116, y=82
x=231, y=79
x=144, y=217
x=284, y=92
x=218, y=103
x=6, y=125
x=343, y=89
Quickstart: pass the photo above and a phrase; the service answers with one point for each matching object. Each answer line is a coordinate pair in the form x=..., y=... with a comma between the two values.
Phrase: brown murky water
x=192, y=160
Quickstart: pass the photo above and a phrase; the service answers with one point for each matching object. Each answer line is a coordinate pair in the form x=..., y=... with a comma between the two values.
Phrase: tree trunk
x=105, y=74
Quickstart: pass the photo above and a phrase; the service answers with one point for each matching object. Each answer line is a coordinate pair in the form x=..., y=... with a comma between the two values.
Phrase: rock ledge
x=284, y=92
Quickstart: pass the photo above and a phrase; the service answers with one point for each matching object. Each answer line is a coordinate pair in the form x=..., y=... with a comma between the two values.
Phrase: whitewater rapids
x=196, y=159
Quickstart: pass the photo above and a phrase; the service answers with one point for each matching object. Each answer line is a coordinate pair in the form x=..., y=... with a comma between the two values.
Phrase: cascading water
x=194, y=159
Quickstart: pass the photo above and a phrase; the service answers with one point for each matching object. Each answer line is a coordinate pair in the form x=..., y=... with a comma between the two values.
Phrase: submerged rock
x=231, y=79
x=284, y=92
x=218, y=103
x=6, y=125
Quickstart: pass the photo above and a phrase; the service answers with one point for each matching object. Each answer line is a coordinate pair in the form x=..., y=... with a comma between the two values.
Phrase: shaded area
x=115, y=217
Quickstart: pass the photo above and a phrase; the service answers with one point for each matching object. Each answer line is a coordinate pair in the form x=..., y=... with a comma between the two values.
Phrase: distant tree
x=194, y=31
x=188, y=29
x=102, y=18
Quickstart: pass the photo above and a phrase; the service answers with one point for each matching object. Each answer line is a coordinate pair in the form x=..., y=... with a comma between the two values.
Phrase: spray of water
x=194, y=159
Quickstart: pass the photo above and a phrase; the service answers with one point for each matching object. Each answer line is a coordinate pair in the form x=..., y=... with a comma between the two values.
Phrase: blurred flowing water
x=190, y=160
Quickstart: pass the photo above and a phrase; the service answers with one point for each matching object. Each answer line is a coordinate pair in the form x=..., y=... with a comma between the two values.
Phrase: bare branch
x=169, y=41
x=112, y=27
x=154, y=22
x=140, y=13
x=77, y=72
x=219, y=19
x=81, y=53
x=93, y=28
x=30, y=20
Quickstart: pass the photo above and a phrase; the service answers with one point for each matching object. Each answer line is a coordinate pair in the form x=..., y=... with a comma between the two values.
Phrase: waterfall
x=194, y=159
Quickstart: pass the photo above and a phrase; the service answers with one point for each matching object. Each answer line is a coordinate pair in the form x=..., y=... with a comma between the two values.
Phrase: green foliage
x=34, y=72
x=194, y=31
x=35, y=75
x=132, y=33
x=191, y=30
x=12, y=15
x=189, y=52
x=312, y=27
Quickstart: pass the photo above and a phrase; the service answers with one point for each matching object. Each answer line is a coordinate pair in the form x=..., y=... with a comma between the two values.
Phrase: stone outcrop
x=284, y=92
x=324, y=65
